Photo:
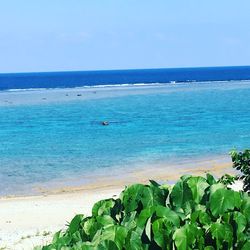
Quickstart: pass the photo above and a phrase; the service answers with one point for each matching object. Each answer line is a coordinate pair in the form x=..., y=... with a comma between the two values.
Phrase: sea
x=155, y=117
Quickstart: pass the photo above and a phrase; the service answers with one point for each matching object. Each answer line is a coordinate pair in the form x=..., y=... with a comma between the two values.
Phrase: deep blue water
x=92, y=78
x=49, y=141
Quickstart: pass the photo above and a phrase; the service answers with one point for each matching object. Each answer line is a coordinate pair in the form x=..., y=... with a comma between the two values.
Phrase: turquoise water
x=45, y=142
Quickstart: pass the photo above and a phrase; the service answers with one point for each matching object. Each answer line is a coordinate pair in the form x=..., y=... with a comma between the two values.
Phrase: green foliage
x=227, y=179
x=241, y=162
x=198, y=213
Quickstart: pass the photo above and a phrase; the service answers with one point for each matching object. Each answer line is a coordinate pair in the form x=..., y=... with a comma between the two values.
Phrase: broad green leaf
x=88, y=246
x=105, y=220
x=160, y=194
x=170, y=215
x=184, y=178
x=154, y=183
x=91, y=226
x=237, y=199
x=120, y=236
x=76, y=237
x=221, y=201
x=144, y=216
x=245, y=206
x=75, y=223
x=133, y=241
x=114, y=233
x=184, y=237
x=56, y=236
x=129, y=220
x=162, y=233
x=135, y=195
x=215, y=187
x=198, y=186
x=241, y=223
x=210, y=179
x=201, y=217
x=246, y=246
x=107, y=245
x=103, y=207
x=221, y=233
x=204, y=218
x=181, y=196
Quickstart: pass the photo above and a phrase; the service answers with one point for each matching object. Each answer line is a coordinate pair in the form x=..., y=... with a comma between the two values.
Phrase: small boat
x=105, y=123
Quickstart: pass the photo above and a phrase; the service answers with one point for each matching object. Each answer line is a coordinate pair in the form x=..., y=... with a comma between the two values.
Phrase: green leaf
x=129, y=220
x=168, y=214
x=91, y=226
x=241, y=223
x=135, y=195
x=144, y=216
x=181, y=196
x=103, y=207
x=209, y=248
x=184, y=178
x=75, y=223
x=120, y=236
x=160, y=194
x=148, y=229
x=114, y=233
x=198, y=186
x=221, y=201
x=185, y=237
x=221, y=233
x=154, y=183
x=210, y=179
x=106, y=245
x=56, y=236
x=246, y=246
x=215, y=187
x=105, y=220
x=245, y=206
x=162, y=233
x=200, y=216
x=133, y=241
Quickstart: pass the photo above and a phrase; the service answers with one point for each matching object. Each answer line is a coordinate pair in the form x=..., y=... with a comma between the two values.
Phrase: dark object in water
x=105, y=123
x=79, y=95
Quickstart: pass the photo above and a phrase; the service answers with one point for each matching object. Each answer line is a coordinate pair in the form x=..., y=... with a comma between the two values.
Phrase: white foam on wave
x=87, y=86
x=188, y=82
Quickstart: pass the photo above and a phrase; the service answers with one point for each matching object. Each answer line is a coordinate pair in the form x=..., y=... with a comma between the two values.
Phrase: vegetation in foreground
x=196, y=213
x=241, y=162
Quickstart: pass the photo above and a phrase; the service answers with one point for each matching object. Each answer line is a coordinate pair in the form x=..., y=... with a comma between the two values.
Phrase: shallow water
x=44, y=142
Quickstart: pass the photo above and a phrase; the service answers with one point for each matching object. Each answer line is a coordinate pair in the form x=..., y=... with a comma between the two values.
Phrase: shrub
x=197, y=213
x=241, y=162
x=227, y=179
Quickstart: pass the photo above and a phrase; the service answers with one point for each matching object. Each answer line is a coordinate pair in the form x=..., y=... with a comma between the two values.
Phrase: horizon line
x=129, y=69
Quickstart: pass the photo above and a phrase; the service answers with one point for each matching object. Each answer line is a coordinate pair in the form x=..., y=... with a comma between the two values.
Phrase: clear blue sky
x=56, y=35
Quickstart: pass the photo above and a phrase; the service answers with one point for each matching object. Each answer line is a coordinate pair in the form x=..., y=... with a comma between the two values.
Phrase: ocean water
x=44, y=142
x=121, y=77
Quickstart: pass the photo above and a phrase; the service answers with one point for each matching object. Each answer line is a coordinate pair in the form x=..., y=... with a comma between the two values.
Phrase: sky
x=63, y=35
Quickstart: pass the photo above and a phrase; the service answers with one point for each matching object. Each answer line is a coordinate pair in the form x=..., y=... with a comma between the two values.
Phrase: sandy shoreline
x=29, y=221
